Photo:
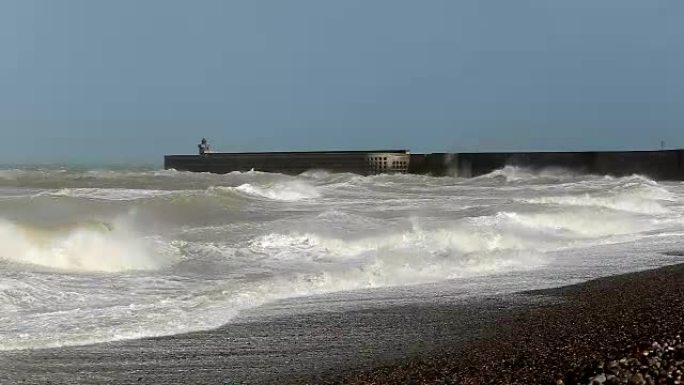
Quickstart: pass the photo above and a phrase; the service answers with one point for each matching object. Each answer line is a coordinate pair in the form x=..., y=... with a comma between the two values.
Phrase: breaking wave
x=114, y=194
x=93, y=247
x=524, y=174
x=179, y=252
x=285, y=191
x=632, y=194
x=633, y=203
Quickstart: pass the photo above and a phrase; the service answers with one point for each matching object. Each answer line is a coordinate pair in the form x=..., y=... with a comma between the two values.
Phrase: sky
x=127, y=81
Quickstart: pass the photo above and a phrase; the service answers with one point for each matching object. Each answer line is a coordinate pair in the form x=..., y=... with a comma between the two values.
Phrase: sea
x=97, y=255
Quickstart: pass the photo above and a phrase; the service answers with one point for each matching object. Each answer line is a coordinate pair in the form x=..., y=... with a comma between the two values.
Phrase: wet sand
x=534, y=337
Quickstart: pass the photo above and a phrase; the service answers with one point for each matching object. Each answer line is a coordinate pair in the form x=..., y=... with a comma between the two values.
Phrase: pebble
x=659, y=364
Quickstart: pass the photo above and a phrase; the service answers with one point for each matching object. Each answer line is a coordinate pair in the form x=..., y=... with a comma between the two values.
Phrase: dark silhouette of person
x=203, y=146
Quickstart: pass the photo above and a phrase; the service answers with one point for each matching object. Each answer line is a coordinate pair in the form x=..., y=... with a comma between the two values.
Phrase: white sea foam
x=83, y=248
x=113, y=194
x=118, y=259
x=577, y=225
x=642, y=197
x=421, y=248
x=625, y=203
x=523, y=174
x=9, y=174
x=284, y=191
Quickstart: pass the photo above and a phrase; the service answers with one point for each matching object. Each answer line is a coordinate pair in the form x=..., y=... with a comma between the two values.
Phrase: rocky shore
x=619, y=330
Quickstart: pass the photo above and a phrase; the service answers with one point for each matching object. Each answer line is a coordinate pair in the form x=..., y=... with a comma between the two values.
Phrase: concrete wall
x=661, y=165
x=474, y=164
x=358, y=162
x=664, y=165
x=434, y=164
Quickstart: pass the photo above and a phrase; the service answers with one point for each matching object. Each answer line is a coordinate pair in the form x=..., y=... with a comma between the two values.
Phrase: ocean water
x=102, y=255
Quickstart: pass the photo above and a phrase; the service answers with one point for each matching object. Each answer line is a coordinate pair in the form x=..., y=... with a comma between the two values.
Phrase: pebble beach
x=625, y=329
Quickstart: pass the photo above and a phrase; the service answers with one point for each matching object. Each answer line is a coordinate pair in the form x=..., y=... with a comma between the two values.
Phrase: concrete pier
x=659, y=165
x=358, y=162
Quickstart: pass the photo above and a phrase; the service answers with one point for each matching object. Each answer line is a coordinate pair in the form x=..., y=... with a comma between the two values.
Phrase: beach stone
x=637, y=379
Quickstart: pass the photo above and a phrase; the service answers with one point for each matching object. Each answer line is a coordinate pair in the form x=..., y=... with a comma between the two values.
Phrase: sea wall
x=286, y=164
x=358, y=162
x=661, y=165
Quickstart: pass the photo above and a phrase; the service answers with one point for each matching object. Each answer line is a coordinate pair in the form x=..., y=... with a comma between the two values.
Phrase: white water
x=94, y=256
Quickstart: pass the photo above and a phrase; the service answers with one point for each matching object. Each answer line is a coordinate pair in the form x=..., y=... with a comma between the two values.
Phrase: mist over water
x=101, y=255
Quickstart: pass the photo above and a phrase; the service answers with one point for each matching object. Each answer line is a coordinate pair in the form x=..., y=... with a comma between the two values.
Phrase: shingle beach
x=625, y=329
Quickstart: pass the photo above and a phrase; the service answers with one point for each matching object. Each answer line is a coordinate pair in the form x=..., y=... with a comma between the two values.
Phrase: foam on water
x=83, y=248
x=113, y=194
x=286, y=191
x=521, y=174
x=93, y=256
x=643, y=197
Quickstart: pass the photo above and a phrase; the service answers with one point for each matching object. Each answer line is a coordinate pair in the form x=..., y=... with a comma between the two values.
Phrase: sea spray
x=99, y=255
x=86, y=247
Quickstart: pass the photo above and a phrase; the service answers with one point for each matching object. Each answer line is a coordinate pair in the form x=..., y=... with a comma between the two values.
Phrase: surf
x=92, y=256
x=89, y=246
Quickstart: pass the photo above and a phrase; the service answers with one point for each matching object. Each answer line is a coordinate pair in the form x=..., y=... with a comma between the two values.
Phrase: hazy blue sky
x=131, y=80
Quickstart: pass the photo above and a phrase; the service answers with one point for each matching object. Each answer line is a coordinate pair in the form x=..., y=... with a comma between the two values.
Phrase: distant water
x=97, y=255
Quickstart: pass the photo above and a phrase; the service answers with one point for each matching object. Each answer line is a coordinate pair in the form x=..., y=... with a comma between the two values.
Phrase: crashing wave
x=89, y=246
x=288, y=191
x=110, y=194
x=525, y=174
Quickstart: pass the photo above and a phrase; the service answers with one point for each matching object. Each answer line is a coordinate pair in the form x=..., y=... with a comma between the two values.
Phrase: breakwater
x=661, y=165
x=357, y=162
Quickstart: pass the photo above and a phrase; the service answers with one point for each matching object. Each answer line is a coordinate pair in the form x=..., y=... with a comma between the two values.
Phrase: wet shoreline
x=502, y=339
x=611, y=329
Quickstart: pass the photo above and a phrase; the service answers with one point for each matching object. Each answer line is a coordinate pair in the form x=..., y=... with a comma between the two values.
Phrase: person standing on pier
x=203, y=147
